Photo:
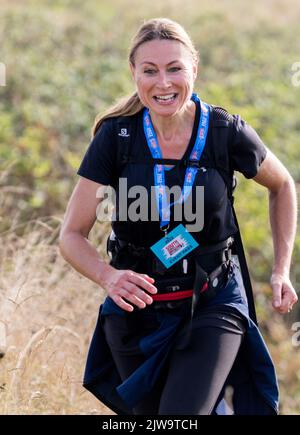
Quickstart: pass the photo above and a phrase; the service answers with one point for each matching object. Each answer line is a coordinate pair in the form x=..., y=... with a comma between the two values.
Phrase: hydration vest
x=221, y=125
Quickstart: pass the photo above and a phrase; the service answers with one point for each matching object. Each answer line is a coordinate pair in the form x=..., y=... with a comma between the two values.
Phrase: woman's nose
x=163, y=80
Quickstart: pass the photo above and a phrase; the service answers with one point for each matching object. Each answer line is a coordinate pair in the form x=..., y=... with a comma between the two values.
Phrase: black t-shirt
x=247, y=152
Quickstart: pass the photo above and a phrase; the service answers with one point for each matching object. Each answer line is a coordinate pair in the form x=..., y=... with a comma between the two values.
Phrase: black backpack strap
x=222, y=133
x=221, y=123
x=238, y=242
x=126, y=129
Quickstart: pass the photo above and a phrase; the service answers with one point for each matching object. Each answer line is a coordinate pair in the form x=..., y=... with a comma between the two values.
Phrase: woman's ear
x=132, y=69
x=195, y=71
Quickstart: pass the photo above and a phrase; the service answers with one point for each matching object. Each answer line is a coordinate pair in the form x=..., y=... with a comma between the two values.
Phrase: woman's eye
x=152, y=71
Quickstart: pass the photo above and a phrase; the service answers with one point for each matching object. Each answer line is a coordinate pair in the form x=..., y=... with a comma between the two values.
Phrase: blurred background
x=65, y=61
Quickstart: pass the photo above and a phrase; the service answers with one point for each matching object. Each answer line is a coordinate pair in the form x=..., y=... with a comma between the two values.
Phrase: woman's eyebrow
x=151, y=63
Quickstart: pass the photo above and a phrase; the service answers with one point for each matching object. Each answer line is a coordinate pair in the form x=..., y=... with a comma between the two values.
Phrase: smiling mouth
x=165, y=98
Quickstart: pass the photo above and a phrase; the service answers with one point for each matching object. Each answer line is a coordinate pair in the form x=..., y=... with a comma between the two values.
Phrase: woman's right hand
x=127, y=285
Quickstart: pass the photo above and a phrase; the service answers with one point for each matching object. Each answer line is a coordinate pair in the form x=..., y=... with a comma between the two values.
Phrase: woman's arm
x=283, y=218
x=75, y=247
x=78, y=221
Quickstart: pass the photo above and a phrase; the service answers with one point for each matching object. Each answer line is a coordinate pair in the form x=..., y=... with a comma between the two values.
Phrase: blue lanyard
x=159, y=170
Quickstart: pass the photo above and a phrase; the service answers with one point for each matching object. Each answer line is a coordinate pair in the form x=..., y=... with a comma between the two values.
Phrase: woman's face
x=164, y=68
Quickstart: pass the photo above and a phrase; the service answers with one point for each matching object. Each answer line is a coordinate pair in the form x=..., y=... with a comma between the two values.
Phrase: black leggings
x=194, y=377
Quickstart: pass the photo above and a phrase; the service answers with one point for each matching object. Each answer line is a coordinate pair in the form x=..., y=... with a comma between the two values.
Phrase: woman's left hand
x=284, y=294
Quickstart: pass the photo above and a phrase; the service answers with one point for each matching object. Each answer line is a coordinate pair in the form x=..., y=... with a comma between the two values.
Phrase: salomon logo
x=124, y=132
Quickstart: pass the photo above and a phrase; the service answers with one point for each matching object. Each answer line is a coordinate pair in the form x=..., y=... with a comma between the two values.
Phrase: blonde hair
x=156, y=28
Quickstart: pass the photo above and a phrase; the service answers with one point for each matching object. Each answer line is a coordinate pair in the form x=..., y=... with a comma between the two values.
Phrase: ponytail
x=126, y=106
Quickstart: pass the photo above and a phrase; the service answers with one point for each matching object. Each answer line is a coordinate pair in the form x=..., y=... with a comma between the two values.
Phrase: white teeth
x=165, y=97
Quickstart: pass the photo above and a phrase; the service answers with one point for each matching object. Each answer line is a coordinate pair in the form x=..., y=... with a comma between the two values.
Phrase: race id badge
x=174, y=246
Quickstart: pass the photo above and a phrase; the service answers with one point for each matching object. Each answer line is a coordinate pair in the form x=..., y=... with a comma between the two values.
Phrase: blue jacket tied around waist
x=252, y=376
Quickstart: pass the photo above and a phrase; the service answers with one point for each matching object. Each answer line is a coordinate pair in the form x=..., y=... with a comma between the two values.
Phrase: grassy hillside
x=65, y=62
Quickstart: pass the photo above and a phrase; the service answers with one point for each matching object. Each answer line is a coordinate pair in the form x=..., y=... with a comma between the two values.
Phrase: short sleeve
x=247, y=149
x=99, y=161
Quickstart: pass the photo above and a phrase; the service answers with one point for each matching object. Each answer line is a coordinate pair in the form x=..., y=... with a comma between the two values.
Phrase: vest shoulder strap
x=126, y=129
x=222, y=133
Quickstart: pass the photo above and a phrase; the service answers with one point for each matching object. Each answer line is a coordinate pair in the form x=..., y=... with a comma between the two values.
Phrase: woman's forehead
x=161, y=52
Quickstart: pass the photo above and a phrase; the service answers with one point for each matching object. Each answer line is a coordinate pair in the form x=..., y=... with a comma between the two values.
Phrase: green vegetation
x=67, y=60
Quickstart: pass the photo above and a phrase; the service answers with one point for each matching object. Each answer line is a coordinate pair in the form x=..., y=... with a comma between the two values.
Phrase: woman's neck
x=169, y=128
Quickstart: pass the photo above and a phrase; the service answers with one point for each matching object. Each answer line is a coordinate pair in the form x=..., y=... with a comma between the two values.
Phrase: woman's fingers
x=147, y=277
x=289, y=298
x=276, y=284
x=139, y=294
x=130, y=292
x=284, y=295
x=122, y=303
x=142, y=281
x=127, y=295
x=132, y=287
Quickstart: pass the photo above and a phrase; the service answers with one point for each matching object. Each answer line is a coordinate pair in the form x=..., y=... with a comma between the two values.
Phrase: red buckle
x=205, y=287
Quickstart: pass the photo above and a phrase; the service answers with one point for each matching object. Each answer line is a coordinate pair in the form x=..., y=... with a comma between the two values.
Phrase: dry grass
x=49, y=312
